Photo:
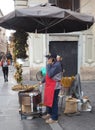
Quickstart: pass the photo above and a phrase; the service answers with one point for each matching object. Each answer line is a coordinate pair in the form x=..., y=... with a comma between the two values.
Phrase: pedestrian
x=9, y=57
x=52, y=88
x=4, y=64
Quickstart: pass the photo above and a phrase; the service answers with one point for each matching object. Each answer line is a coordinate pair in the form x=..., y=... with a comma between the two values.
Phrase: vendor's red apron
x=49, y=91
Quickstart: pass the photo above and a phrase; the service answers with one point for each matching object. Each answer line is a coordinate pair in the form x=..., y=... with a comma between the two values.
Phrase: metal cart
x=29, y=101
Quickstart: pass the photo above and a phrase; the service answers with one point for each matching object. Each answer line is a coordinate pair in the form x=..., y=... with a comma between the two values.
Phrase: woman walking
x=4, y=64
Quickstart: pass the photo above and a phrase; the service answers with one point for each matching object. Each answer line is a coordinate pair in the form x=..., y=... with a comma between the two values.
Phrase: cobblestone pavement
x=10, y=118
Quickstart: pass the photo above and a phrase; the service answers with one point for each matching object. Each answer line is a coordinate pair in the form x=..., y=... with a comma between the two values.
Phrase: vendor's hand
x=40, y=83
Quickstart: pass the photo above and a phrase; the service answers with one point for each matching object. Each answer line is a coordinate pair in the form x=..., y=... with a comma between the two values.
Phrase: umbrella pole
x=46, y=40
x=46, y=45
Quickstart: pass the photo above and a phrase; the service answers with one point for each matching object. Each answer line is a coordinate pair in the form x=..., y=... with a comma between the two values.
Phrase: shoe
x=46, y=116
x=50, y=121
x=5, y=80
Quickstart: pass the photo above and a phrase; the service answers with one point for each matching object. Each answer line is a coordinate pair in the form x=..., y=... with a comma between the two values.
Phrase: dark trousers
x=53, y=111
x=5, y=73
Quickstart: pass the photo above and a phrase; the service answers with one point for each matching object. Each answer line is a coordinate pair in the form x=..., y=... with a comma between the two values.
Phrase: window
x=67, y=4
x=89, y=50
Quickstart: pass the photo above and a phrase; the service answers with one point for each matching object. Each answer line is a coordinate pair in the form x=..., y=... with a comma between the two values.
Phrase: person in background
x=52, y=88
x=4, y=64
x=59, y=59
x=9, y=57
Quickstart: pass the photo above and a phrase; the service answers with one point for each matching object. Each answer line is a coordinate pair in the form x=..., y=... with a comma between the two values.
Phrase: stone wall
x=87, y=73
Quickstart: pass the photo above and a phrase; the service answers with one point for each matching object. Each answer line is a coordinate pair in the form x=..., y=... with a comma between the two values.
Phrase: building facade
x=3, y=39
x=83, y=60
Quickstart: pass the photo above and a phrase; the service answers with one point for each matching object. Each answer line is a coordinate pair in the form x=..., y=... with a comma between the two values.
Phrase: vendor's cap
x=47, y=56
x=51, y=56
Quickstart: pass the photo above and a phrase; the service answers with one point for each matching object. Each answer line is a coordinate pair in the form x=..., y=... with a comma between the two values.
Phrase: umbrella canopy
x=46, y=18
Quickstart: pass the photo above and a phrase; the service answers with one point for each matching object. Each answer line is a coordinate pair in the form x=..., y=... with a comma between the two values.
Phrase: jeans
x=53, y=111
x=5, y=73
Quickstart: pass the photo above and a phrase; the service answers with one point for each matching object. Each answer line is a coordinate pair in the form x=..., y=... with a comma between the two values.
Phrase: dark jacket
x=54, y=71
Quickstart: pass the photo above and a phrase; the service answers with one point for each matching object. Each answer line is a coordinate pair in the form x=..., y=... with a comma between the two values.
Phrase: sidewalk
x=10, y=118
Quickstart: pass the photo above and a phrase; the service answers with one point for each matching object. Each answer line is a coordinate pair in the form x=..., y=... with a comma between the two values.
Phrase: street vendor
x=52, y=88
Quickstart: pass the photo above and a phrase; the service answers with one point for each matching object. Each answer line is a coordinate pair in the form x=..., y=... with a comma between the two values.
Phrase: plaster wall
x=87, y=69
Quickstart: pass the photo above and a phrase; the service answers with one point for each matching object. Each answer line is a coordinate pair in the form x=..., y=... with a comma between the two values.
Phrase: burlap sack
x=71, y=106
